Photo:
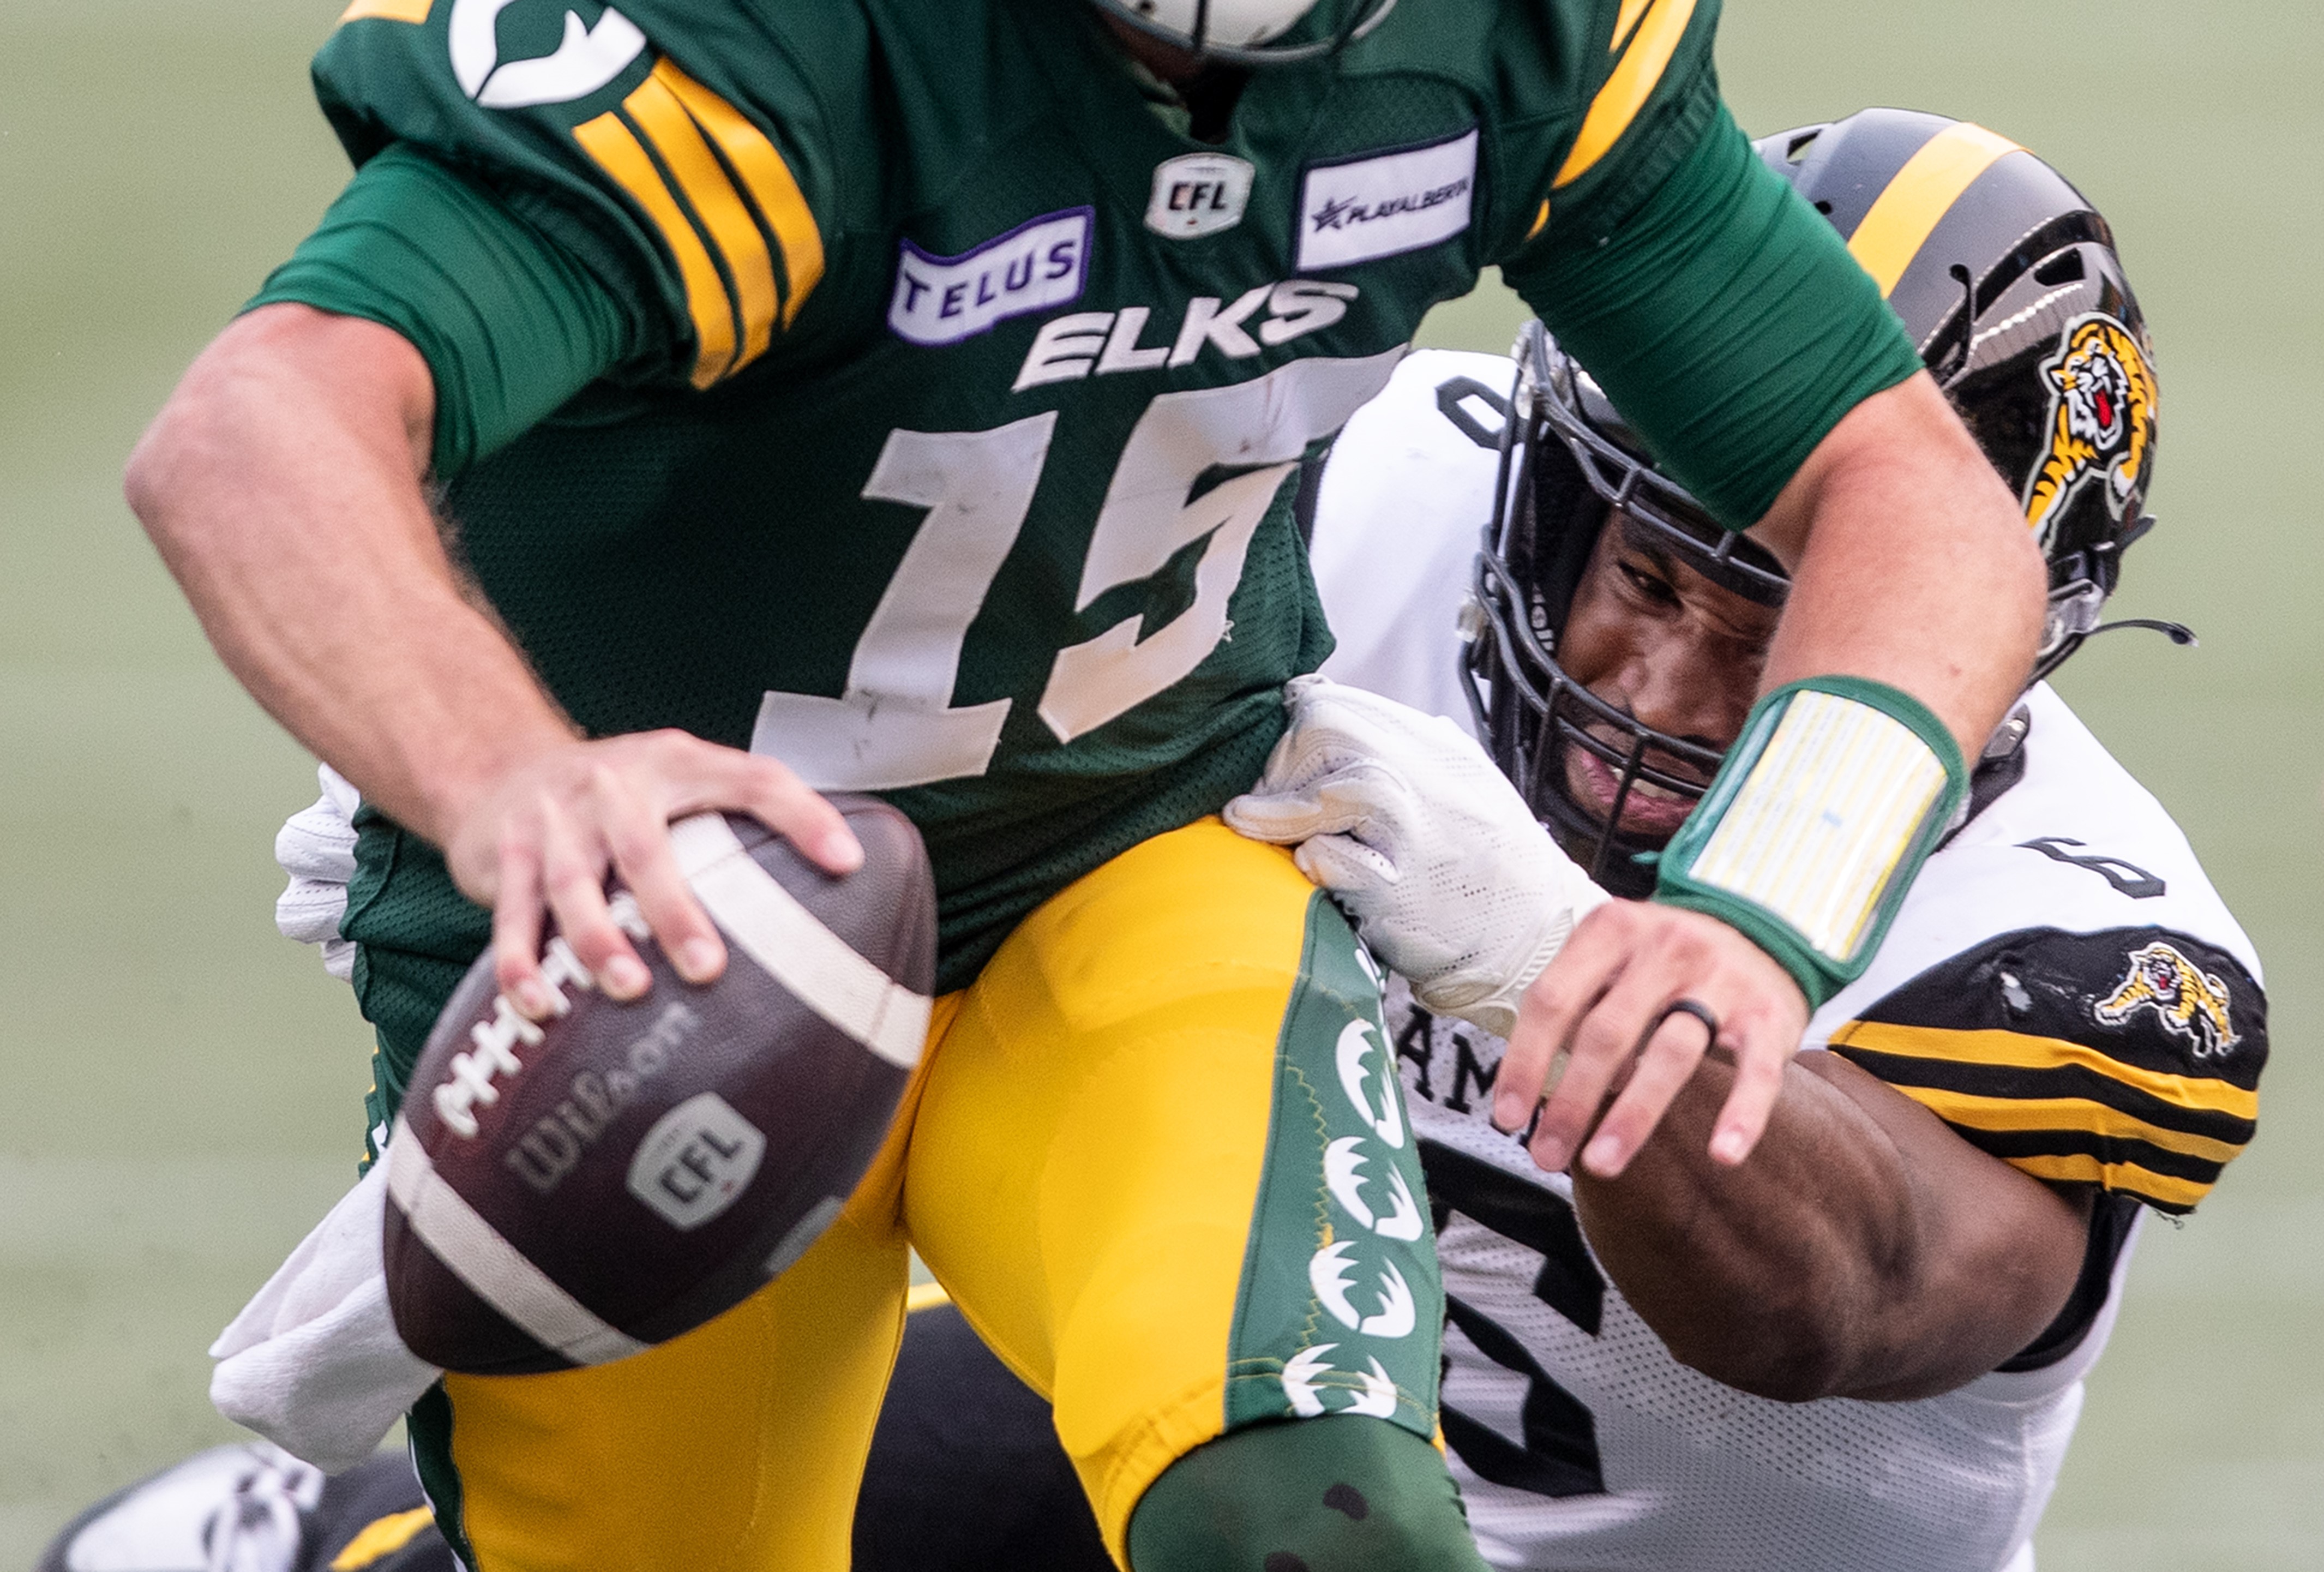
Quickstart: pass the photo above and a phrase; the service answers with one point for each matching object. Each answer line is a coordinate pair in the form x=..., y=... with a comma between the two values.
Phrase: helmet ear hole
x=2065, y=268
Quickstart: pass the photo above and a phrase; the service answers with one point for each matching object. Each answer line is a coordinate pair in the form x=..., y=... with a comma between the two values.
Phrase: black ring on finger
x=1694, y=1007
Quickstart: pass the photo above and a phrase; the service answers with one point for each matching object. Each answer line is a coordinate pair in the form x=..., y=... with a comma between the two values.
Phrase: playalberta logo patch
x=1041, y=263
x=1387, y=204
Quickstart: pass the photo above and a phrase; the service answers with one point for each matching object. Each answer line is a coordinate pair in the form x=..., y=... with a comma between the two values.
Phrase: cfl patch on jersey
x=1385, y=204
x=946, y=299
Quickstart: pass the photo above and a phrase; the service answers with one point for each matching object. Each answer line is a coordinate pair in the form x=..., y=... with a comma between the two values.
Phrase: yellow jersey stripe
x=1540, y=220
x=2079, y=1168
x=2080, y=1115
x=609, y=142
x=1626, y=91
x=1923, y=191
x=655, y=108
x=766, y=177
x=2022, y=1051
x=925, y=1296
x=387, y=10
x=382, y=1537
x=1631, y=11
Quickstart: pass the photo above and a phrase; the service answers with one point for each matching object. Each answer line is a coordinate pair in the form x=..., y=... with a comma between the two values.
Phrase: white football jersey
x=2062, y=986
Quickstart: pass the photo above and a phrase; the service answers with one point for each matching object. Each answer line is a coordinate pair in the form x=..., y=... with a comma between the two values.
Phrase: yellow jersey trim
x=2080, y=1115
x=382, y=1537
x=2022, y=1051
x=2079, y=1168
x=772, y=187
x=1634, y=76
x=1923, y=192
x=1631, y=11
x=607, y=140
x=387, y=10
x=655, y=106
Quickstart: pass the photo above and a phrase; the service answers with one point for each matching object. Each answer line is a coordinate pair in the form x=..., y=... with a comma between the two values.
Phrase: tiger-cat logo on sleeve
x=2190, y=1002
x=2102, y=399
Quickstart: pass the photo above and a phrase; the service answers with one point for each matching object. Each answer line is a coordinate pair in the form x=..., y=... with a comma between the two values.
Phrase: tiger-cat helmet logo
x=2102, y=399
x=2190, y=1002
x=586, y=59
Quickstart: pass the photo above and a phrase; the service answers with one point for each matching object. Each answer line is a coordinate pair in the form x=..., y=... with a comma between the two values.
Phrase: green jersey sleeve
x=511, y=324
x=1719, y=312
x=704, y=208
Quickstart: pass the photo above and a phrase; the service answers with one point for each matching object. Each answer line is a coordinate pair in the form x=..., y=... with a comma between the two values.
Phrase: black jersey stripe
x=2011, y=1146
x=2162, y=1192
x=2024, y=1050
x=2023, y=1115
x=1537, y=1218
x=2072, y=1083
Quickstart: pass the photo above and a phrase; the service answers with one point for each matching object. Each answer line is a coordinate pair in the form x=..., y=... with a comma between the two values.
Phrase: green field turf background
x=177, y=1085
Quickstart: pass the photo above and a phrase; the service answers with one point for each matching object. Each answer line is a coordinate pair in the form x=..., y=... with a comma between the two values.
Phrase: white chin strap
x=1241, y=32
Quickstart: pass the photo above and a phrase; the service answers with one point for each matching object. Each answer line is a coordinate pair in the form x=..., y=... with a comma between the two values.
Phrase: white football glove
x=1425, y=844
x=317, y=850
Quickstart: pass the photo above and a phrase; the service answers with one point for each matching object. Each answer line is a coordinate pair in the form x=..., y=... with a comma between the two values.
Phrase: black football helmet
x=2008, y=282
x=1246, y=32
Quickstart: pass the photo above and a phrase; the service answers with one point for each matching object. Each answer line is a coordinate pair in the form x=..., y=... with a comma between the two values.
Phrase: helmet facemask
x=1570, y=469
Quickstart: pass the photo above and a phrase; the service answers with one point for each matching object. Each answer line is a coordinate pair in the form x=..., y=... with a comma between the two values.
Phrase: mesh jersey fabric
x=914, y=455
x=1579, y=1440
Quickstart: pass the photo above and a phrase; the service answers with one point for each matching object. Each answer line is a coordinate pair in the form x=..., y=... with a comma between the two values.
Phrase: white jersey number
x=895, y=724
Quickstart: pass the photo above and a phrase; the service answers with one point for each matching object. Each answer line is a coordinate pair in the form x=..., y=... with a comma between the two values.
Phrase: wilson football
x=570, y=1191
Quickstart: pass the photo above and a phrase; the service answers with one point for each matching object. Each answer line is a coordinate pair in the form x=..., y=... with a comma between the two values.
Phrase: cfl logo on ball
x=697, y=1160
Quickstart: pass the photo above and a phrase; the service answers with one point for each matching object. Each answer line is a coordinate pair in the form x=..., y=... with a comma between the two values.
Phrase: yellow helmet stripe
x=1626, y=91
x=1923, y=192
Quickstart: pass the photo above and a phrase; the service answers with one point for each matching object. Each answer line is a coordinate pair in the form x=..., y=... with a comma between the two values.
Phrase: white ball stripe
x=821, y=969
x=490, y=1266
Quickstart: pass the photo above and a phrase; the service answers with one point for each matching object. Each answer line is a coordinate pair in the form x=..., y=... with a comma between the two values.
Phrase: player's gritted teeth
x=1648, y=811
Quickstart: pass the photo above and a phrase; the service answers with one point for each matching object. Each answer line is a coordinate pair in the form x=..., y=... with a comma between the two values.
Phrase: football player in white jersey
x=2064, y=1027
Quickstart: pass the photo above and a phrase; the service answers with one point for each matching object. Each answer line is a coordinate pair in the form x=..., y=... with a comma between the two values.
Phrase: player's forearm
x=1910, y=564
x=1864, y=1250
x=283, y=485
x=1767, y=1276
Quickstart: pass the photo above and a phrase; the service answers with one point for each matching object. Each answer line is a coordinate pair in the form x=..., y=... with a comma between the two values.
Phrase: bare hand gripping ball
x=571, y=1191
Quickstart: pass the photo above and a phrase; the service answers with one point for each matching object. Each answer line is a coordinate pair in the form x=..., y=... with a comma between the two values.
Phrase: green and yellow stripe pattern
x=748, y=250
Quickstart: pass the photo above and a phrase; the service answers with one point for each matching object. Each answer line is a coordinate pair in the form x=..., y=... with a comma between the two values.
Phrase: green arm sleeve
x=509, y=323
x=1724, y=318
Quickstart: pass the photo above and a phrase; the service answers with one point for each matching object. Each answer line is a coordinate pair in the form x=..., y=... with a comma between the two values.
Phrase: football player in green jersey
x=708, y=403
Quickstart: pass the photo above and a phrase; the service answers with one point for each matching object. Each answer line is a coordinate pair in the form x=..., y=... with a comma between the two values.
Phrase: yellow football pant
x=1080, y=1159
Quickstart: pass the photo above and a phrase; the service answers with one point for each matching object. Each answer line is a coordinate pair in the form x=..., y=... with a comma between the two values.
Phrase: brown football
x=569, y=1192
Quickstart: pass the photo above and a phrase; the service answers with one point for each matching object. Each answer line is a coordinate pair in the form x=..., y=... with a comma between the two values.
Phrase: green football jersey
x=951, y=451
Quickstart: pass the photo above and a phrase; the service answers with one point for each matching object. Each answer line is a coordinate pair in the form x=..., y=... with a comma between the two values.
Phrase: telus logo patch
x=1385, y=205
x=944, y=299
